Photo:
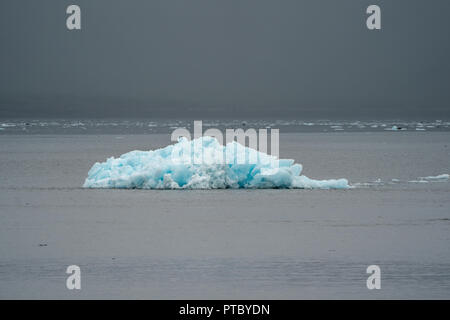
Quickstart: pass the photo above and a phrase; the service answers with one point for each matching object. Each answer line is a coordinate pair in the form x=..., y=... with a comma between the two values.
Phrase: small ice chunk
x=438, y=177
x=395, y=128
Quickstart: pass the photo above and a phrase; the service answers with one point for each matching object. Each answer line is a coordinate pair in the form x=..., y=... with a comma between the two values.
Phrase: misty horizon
x=225, y=59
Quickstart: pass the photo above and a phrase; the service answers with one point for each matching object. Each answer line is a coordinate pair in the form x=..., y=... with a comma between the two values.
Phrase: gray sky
x=225, y=58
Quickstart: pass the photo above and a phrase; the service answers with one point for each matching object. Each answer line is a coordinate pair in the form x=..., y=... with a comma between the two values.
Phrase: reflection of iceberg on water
x=202, y=163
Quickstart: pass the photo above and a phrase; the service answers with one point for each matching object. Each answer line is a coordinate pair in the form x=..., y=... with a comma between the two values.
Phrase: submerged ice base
x=202, y=163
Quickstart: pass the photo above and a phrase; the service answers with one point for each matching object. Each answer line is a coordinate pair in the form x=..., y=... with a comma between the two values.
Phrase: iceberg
x=203, y=163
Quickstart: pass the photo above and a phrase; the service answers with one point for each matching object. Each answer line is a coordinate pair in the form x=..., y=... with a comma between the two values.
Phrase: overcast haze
x=225, y=58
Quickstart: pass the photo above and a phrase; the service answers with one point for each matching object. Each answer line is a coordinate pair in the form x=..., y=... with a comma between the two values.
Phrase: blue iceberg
x=202, y=163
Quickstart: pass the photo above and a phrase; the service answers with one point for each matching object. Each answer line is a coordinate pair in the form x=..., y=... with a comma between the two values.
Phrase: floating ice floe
x=177, y=166
x=439, y=178
x=395, y=128
x=377, y=182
